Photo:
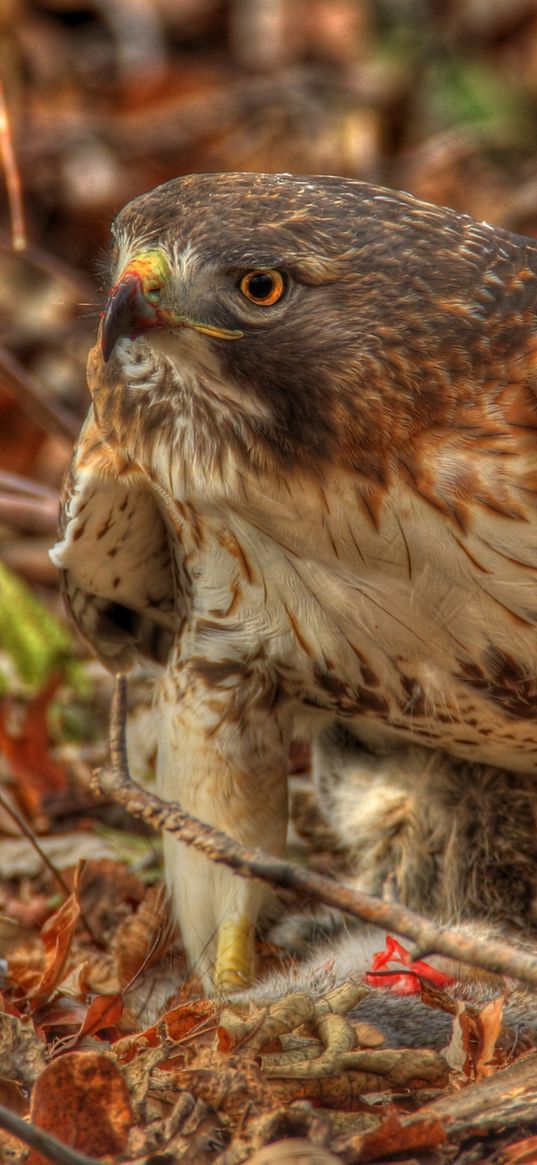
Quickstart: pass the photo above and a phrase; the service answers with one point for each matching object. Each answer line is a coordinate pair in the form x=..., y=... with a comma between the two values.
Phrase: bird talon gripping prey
x=307, y=490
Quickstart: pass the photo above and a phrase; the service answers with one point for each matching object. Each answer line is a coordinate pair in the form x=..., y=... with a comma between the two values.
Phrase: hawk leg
x=220, y=776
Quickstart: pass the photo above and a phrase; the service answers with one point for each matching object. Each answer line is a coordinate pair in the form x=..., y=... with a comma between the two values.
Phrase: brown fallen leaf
x=27, y=751
x=25, y=964
x=142, y=938
x=110, y=891
x=83, y=1100
x=489, y=1020
x=178, y=1025
x=62, y=1011
x=56, y=935
x=504, y=1101
x=394, y=1136
x=103, y=1013
x=522, y=1153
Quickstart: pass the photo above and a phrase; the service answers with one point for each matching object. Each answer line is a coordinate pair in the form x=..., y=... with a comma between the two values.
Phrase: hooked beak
x=134, y=305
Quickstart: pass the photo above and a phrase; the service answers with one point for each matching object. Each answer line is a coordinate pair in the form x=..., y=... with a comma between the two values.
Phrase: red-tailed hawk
x=307, y=488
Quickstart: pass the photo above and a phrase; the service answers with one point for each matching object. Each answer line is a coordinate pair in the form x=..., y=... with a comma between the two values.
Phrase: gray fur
x=458, y=837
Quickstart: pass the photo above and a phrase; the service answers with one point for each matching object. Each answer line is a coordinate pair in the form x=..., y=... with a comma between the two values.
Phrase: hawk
x=307, y=490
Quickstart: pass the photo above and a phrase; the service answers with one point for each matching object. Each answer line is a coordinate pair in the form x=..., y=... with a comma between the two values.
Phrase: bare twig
x=43, y=1142
x=17, y=484
x=505, y=1101
x=30, y=835
x=12, y=176
x=27, y=504
x=115, y=781
x=35, y=515
x=58, y=877
x=50, y=415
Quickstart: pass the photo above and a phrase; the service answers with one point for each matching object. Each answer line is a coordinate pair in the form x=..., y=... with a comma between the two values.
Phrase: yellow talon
x=235, y=961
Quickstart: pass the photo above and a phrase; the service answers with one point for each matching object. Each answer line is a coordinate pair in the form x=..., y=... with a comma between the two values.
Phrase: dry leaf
x=395, y=1137
x=489, y=1021
x=104, y=1013
x=28, y=751
x=57, y=934
x=176, y=1026
x=60, y=1012
x=145, y=933
x=522, y=1153
x=82, y=1099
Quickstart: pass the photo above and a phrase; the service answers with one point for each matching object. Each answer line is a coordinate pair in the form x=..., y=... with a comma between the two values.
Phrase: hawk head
x=233, y=277
x=305, y=314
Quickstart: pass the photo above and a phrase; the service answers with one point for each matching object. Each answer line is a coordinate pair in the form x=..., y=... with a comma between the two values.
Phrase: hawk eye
x=263, y=287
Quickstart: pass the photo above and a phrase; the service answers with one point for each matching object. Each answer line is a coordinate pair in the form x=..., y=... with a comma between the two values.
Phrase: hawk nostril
x=153, y=292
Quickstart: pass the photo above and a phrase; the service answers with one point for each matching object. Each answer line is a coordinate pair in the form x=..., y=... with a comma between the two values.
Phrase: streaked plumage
x=325, y=506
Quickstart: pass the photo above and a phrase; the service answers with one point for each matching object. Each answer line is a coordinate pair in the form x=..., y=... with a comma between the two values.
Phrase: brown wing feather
x=115, y=561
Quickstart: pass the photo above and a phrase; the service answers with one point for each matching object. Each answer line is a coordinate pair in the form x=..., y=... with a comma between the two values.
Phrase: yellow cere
x=153, y=270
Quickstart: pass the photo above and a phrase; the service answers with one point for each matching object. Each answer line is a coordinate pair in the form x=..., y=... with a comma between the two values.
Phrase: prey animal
x=307, y=490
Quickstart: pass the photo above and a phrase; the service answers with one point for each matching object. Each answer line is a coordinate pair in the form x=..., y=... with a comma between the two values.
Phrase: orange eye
x=263, y=287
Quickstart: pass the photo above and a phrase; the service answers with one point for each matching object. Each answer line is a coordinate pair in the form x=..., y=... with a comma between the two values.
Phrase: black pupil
x=261, y=285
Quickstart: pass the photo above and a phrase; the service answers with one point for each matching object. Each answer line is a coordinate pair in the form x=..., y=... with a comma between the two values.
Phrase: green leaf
x=35, y=641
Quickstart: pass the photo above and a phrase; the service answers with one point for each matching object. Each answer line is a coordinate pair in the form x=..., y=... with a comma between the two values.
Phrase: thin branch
x=35, y=515
x=493, y=955
x=27, y=504
x=30, y=835
x=506, y=1101
x=17, y=484
x=12, y=176
x=43, y=1142
x=56, y=874
x=50, y=415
